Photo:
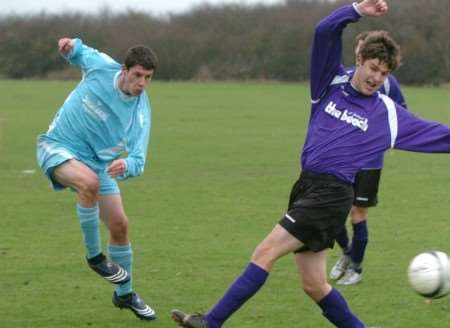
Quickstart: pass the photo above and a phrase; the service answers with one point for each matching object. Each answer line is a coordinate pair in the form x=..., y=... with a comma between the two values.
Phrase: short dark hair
x=380, y=45
x=141, y=55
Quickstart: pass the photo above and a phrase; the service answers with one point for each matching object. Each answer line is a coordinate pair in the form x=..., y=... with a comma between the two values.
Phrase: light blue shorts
x=51, y=154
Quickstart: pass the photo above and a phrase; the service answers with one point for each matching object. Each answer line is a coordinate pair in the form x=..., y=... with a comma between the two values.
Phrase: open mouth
x=371, y=86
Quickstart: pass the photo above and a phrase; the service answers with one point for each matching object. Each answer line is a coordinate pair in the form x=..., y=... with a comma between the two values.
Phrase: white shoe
x=338, y=270
x=350, y=277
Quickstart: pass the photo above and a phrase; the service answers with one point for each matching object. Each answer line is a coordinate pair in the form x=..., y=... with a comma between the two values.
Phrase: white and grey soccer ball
x=429, y=274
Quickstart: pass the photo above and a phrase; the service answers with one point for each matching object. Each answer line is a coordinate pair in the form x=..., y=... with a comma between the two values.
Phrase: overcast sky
x=92, y=6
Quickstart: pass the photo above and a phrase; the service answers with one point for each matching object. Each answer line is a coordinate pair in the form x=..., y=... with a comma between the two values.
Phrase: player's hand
x=373, y=7
x=65, y=45
x=117, y=168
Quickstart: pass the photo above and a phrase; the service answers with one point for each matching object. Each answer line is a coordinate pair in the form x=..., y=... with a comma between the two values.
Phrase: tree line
x=226, y=42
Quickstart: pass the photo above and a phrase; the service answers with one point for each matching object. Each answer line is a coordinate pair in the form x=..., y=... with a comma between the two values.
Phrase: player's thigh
x=75, y=174
x=276, y=244
x=312, y=267
x=111, y=210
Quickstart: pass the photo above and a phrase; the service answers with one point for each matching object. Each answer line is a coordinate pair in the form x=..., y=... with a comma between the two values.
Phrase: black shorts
x=318, y=208
x=366, y=188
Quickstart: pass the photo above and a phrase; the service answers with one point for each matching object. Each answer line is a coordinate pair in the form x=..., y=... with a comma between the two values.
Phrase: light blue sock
x=123, y=256
x=89, y=221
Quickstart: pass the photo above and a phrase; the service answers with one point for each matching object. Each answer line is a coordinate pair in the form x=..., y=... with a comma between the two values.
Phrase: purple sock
x=244, y=287
x=335, y=309
x=359, y=243
x=342, y=240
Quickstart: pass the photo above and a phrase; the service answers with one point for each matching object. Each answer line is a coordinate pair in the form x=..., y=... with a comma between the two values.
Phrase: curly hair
x=380, y=45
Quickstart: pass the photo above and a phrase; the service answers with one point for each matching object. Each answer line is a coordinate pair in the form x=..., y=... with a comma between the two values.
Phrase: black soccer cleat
x=185, y=320
x=109, y=270
x=136, y=304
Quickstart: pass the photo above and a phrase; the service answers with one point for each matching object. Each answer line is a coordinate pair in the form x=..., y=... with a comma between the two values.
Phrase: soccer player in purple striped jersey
x=348, y=268
x=351, y=124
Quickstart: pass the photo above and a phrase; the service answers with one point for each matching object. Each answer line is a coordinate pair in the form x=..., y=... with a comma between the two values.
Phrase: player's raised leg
x=78, y=176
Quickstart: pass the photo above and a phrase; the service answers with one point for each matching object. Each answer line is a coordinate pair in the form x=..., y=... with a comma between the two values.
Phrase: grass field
x=223, y=157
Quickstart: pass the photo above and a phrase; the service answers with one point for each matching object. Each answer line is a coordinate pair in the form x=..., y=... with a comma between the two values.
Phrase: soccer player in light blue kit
x=351, y=124
x=100, y=135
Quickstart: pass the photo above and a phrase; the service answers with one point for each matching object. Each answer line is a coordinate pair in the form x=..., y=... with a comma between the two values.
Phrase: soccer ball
x=429, y=274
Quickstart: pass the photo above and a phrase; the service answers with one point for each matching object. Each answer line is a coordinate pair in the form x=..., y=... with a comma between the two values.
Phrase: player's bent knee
x=359, y=214
x=88, y=188
x=316, y=290
x=264, y=256
x=119, y=228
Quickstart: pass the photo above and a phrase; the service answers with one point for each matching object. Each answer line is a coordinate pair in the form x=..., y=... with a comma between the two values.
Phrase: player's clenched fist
x=373, y=7
x=65, y=45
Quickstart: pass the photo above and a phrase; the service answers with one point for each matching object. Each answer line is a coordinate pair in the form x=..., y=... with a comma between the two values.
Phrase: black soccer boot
x=196, y=320
x=136, y=304
x=109, y=270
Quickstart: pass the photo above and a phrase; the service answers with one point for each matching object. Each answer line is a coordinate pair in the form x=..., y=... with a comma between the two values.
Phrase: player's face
x=369, y=75
x=135, y=79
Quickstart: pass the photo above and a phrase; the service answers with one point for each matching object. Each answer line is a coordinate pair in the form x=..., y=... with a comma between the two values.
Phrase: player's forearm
x=326, y=56
x=138, y=153
x=419, y=135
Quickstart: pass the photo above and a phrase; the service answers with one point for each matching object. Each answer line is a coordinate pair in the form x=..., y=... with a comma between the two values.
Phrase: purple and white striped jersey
x=389, y=88
x=348, y=130
x=392, y=89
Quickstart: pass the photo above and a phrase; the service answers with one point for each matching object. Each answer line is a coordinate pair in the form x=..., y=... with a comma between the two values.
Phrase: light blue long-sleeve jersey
x=98, y=122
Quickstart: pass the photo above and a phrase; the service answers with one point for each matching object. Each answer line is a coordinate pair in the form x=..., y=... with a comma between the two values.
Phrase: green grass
x=222, y=159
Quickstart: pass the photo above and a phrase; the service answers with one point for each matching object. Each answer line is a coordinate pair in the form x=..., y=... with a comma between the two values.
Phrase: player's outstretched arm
x=373, y=8
x=65, y=45
x=326, y=52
